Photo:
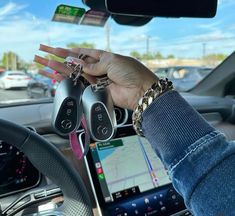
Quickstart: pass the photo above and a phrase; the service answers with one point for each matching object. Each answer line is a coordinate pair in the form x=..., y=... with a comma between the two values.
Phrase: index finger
x=60, y=52
x=94, y=53
x=64, y=53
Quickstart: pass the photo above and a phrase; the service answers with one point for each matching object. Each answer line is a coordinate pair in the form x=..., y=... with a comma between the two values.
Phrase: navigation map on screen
x=127, y=166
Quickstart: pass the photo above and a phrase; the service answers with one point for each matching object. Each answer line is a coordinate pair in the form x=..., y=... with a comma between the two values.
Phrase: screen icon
x=97, y=165
x=101, y=176
x=99, y=170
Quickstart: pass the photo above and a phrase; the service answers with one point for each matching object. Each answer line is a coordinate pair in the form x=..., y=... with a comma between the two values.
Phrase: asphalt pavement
x=13, y=94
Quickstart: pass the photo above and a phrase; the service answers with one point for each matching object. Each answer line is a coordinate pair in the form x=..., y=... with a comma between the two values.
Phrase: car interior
x=39, y=172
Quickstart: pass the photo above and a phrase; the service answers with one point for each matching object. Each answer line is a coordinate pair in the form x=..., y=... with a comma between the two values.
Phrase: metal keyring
x=75, y=67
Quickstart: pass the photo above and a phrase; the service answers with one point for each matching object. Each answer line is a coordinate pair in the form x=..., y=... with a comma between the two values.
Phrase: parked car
x=184, y=77
x=14, y=79
x=41, y=87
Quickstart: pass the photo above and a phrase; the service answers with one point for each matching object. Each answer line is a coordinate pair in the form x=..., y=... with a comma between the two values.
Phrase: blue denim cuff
x=171, y=125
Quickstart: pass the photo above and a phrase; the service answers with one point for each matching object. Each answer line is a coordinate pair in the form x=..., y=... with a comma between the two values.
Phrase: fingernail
x=43, y=47
x=36, y=58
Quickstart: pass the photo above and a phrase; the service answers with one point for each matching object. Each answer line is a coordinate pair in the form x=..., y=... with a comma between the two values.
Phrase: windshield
x=186, y=50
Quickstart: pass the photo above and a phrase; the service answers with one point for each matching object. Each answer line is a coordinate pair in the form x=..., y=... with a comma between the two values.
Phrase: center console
x=130, y=179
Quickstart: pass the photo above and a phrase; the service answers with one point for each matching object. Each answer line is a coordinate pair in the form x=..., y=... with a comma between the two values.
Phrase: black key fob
x=67, y=110
x=99, y=112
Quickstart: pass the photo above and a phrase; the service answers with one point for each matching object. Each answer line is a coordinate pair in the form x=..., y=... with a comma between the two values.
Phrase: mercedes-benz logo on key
x=66, y=124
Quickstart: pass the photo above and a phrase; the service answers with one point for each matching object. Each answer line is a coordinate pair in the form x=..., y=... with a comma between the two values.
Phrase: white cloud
x=213, y=36
x=24, y=34
x=10, y=9
x=225, y=3
x=232, y=27
x=123, y=41
x=211, y=26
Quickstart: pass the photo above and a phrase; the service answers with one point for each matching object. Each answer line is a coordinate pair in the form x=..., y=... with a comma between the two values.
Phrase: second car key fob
x=68, y=110
x=99, y=113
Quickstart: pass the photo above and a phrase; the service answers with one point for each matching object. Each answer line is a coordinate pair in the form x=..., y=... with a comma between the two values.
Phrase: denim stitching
x=212, y=135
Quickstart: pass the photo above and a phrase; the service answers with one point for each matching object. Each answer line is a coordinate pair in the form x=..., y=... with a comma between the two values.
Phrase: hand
x=130, y=79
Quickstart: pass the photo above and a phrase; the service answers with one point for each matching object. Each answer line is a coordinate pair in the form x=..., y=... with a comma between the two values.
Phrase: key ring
x=77, y=69
x=75, y=66
x=102, y=82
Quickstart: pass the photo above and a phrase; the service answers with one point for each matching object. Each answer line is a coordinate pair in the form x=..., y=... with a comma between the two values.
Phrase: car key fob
x=68, y=110
x=99, y=113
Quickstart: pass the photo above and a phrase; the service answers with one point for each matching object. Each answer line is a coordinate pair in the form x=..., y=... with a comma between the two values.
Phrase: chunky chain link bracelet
x=157, y=89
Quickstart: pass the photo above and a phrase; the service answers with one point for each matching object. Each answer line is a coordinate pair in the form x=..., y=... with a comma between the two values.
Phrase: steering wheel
x=50, y=162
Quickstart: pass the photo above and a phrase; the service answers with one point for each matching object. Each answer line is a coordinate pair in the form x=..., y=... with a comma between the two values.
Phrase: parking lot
x=13, y=94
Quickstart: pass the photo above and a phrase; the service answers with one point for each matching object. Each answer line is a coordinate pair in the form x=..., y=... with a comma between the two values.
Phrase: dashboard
x=123, y=176
x=16, y=171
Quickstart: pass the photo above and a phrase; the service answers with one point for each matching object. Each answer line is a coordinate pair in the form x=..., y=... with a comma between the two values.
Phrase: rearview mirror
x=164, y=8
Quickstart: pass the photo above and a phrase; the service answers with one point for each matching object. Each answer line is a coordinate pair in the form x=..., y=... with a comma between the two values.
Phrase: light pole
x=203, y=50
x=107, y=29
x=147, y=43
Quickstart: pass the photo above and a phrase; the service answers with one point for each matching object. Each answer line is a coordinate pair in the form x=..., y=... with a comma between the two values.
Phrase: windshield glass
x=186, y=50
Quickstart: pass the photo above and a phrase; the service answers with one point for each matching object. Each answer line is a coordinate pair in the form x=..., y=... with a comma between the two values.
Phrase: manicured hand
x=130, y=78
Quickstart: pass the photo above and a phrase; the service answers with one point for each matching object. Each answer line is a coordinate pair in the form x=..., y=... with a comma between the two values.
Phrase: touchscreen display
x=127, y=166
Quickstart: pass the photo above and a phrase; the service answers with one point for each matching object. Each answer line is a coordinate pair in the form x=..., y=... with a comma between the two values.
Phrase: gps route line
x=150, y=168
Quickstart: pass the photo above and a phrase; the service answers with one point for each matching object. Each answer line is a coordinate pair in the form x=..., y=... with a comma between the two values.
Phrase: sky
x=24, y=24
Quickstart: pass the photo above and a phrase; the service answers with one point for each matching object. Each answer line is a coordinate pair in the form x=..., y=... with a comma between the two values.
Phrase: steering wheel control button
x=146, y=201
x=66, y=124
x=118, y=211
x=136, y=212
x=163, y=209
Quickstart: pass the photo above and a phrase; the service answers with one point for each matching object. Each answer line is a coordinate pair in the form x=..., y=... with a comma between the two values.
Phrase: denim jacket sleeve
x=200, y=162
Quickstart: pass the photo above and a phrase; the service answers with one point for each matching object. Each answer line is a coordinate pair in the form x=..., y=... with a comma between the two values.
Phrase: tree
x=147, y=56
x=170, y=56
x=216, y=57
x=135, y=54
x=10, y=60
x=81, y=45
x=158, y=55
